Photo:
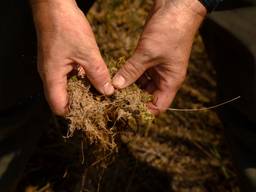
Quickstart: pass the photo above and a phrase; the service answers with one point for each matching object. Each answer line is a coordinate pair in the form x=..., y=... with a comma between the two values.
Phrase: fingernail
x=118, y=81
x=108, y=89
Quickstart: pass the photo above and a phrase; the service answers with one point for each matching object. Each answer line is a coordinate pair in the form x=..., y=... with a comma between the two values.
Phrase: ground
x=181, y=151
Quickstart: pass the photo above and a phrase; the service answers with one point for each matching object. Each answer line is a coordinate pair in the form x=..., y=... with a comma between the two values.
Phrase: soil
x=180, y=151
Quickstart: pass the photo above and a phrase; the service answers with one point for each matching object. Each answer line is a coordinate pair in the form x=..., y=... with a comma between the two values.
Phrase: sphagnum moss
x=102, y=118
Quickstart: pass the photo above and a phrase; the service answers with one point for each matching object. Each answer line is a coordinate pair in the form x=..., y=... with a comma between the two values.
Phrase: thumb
x=131, y=71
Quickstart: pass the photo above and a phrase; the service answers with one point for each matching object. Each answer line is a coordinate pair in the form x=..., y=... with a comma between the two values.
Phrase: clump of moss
x=102, y=118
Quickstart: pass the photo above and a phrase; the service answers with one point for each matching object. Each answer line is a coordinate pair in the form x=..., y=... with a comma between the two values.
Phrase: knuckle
x=148, y=48
x=144, y=51
x=133, y=69
x=98, y=74
x=97, y=68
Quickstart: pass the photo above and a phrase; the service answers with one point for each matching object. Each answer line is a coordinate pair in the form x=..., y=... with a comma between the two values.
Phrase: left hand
x=163, y=51
x=65, y=42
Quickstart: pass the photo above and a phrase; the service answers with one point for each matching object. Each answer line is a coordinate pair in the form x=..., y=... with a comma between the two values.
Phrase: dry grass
x=102, y=118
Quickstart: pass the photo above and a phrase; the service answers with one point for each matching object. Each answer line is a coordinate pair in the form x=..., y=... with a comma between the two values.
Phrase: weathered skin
x=163, y=50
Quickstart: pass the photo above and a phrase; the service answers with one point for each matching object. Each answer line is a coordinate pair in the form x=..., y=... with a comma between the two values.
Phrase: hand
x=66, y=41
x=161, y=57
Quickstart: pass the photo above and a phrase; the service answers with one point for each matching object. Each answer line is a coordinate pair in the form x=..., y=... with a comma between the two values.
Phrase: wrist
x=52, y=3
x=184, y=15
x=193, y=13
x=48, y=14
x=191, y=7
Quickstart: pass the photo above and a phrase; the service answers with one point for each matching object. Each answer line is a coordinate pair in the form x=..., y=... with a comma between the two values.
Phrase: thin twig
x=100, y=160
x=207, y=108
x=83, y=179
x=47, y=186
x=82, y=151
x=100, y=180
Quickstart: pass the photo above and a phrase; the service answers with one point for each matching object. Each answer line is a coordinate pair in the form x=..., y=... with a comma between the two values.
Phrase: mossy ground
x=102, y=118
x=179, y=152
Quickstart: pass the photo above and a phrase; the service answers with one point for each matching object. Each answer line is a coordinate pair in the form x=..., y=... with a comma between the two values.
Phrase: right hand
x=161, y=58
x=65, y=41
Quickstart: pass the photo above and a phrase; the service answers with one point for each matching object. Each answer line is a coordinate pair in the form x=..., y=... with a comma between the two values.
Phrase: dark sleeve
x=85, y=5
x=211, y=5
x=233, y=4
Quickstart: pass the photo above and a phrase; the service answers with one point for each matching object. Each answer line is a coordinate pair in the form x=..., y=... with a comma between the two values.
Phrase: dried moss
x=102, y=118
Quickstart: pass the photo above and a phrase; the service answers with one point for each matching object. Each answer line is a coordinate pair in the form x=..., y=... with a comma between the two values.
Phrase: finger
x=55, y=88
x=131, y=71
x=81, y=72
x=98, y=74
x=162, y=100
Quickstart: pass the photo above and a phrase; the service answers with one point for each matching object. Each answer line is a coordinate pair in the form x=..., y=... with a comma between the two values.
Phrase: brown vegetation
x=102, y=118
